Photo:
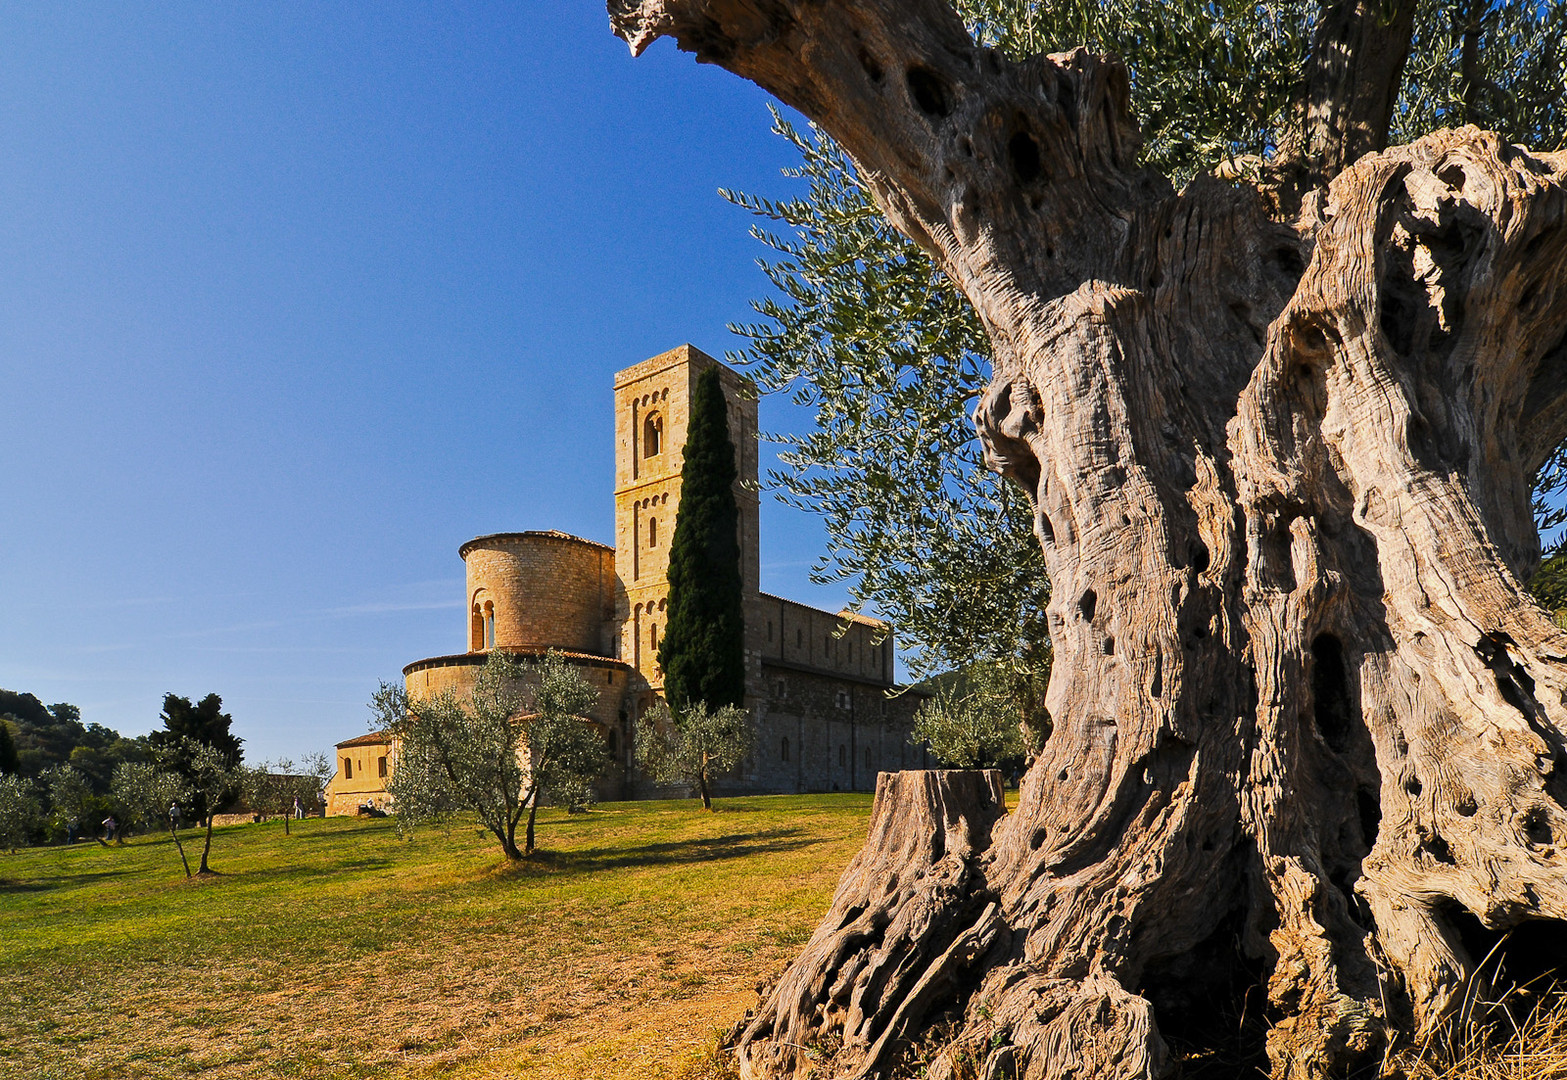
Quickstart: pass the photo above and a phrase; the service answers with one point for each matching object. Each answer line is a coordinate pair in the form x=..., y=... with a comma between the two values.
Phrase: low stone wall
x=219, y=820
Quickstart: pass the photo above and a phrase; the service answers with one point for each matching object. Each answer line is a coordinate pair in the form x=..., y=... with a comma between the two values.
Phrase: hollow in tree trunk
x=1306, y=719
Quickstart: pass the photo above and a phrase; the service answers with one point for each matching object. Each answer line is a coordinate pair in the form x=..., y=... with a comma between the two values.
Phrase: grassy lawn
x=344, y=951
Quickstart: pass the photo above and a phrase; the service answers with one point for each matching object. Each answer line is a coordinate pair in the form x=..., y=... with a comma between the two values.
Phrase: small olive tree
x=70, y=798
x=974, y=721
x=693, y=745
x=18, y=811
x=144, y=792
x=272, y=788
x=211, y=775
x=522, y=735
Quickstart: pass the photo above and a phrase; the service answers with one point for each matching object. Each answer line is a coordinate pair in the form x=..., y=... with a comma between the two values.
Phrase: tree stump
x=906, y=926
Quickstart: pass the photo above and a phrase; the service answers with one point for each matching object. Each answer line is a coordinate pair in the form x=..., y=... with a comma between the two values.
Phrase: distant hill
x=55, y=735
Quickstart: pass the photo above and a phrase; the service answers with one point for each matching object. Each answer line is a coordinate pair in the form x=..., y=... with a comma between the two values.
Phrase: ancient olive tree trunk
x=1305, y=718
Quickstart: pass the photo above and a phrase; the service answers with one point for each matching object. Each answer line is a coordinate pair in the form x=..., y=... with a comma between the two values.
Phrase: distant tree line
x=61, y=780
x=43, y=736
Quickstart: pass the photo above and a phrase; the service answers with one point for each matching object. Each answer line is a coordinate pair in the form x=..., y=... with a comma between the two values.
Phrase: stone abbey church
x=817, y=683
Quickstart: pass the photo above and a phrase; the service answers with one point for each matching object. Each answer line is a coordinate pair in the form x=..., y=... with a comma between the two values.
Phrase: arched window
x=476, y=630
x=843, y=754
x=652, y=435
x=783, y=750
x=652, y=532
x=348, y=768
x=652, y=635
x=489, y=625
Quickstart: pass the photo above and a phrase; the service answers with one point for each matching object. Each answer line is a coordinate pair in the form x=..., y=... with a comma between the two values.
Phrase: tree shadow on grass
x=57, y=881
x=677, y=852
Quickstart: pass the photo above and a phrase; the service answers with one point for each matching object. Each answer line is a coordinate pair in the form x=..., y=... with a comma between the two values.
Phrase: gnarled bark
x=1281, y=476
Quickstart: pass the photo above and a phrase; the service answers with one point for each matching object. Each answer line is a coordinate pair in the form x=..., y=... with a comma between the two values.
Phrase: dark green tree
x=46, y=736
x=186, y=726
x=702, y=653
x=9, y=763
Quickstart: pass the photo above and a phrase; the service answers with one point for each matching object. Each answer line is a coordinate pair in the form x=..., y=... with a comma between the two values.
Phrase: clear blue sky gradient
x=295, y=298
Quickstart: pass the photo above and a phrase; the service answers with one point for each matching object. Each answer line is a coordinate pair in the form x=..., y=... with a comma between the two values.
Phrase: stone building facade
x=363, y=765
x=819, y=685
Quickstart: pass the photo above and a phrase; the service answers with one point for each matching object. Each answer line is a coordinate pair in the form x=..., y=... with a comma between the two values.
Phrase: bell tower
x=652, y=412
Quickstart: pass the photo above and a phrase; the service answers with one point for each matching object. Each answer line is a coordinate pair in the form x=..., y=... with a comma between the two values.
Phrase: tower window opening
x=476, y=630
x=769, y=630
x=348, y=768
x=843, y=755
x=652, y=435
x=799, y=638
x=783, y=750
x=652, y=532
x=867, y=757
x=652, y=635
x=489, y=625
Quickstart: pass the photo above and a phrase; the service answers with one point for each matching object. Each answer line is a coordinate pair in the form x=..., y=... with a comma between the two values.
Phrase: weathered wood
x=1345, y=100
x=1281, y=474
x=906, y=925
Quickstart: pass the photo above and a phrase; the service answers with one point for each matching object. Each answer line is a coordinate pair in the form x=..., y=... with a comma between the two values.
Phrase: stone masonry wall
x=816, y=732
x=545, y=589
x=612, y=679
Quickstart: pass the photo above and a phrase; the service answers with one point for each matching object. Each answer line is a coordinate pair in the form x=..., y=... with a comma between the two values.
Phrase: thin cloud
x=380, y=607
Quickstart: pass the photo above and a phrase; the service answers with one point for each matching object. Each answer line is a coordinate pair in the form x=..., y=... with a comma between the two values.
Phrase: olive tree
x=522, y=734
x=70, y=797
x=272, y=788
x=212, y=775
x=693, y=745
x=1279, y=422
x=18, y=811
x=971, y=722
x=144, y=792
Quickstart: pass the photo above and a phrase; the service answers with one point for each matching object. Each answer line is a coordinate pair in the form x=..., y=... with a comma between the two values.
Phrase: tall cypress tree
x=703, y=651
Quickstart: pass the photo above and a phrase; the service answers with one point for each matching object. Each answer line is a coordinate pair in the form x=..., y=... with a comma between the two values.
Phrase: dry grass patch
x=343, y=951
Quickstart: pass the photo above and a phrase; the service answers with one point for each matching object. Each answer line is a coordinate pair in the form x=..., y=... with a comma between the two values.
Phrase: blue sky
x=296, y=297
